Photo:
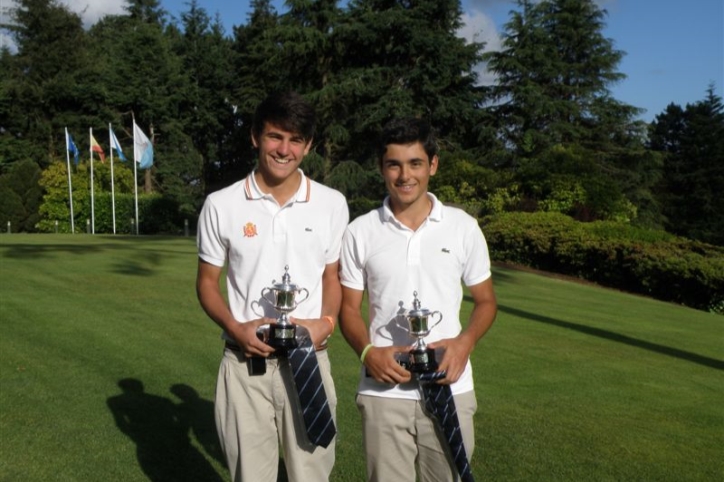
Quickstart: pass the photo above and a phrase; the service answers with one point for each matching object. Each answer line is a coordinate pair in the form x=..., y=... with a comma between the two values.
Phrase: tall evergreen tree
x=206, y=110
x=554, y=75
x=258, y=70
x=692, y=140
x=405, y=58
x=566, y=132
x=144, y=81
x=43, y=80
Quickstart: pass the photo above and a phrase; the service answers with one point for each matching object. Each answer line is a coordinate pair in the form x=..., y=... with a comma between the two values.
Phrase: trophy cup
x=282, y=333
x=421, y=358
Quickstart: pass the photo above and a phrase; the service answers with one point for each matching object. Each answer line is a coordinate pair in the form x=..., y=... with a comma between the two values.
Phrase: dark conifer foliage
x=547, y=135
x=692, y=141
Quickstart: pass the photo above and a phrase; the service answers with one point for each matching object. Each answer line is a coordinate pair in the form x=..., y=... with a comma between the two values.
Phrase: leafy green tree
x=464, y=183
x=692, y=142
x=20, y=196
x=56, y=198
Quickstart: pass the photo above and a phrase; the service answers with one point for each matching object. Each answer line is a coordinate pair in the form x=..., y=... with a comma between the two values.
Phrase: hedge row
x=156, y=215
x=651, y=263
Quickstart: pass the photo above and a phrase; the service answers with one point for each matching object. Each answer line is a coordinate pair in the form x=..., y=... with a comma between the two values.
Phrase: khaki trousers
x=255, y=417
x=400, y=439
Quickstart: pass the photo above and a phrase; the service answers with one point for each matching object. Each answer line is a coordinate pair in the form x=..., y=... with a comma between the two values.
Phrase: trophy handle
x=254, y=307
x=264, y=292
x=401, y=326
x=305, y=296
x=438, y=320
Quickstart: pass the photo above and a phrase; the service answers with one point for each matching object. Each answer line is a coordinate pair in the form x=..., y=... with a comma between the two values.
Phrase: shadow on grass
x=145, y=266
x=161, y=430
x=161, y=435
x=617, y=337
x=47, y=250
x=130, y=263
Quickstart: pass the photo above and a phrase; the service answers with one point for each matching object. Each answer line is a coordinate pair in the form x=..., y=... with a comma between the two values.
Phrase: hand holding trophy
x=282, y=333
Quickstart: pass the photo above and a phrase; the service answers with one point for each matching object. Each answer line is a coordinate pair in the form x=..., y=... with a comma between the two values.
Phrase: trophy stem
x=284, y=319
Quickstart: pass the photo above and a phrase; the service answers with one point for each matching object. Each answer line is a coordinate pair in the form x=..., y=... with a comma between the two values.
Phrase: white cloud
x=5, y=39
x=486, y=4
x=480, y=27
x=91, y=11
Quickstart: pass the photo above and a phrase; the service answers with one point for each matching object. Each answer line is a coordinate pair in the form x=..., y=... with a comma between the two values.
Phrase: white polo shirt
x=247, y=230
x=392, y=262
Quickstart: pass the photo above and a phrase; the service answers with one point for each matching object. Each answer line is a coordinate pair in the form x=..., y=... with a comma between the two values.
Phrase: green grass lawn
x=108, y=365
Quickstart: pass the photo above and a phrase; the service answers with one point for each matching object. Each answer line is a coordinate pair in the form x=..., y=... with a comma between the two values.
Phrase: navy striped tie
x=440, y=404
x=312, y=397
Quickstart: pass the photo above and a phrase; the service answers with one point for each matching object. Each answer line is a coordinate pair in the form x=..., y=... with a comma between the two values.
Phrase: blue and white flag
x=142, y=148
x=116, y=145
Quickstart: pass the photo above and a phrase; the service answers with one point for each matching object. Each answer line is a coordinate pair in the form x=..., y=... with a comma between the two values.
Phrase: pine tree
x=692, y=140
x=405, y=58
x=206, y=121
x=42, y=83
x=555, y=111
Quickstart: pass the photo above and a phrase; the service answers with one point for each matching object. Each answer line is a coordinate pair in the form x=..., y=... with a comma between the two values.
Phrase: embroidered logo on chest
x=250, y=230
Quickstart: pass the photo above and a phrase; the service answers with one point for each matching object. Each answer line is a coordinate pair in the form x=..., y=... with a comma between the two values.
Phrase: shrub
x=617, y=255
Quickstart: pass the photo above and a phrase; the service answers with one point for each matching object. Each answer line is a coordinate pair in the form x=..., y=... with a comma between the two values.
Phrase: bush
x=617, y=255
x=360, y=206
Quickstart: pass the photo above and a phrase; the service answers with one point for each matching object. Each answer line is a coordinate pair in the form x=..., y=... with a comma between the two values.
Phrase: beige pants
x=401, y=440
x=254, y=417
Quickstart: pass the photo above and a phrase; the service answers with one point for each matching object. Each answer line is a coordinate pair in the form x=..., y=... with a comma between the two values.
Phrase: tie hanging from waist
x=312, y=398
x=440, y=405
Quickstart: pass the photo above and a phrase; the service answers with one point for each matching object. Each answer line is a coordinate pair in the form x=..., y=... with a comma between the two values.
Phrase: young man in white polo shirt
x=412, y=244
x=274, y=218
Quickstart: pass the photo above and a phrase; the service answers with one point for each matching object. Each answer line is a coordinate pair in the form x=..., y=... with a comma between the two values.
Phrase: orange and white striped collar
x=252, y=191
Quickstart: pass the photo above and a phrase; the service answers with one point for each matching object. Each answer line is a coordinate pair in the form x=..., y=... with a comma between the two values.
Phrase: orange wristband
x=329, y=320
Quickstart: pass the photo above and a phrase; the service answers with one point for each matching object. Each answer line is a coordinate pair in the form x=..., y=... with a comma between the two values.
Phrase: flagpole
x=135, y=173
x=93, y=212
x=113, y=190
x=70, y=183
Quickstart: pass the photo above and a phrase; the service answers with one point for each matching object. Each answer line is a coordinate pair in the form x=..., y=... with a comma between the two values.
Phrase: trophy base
x=422, y=361
x=282, y=337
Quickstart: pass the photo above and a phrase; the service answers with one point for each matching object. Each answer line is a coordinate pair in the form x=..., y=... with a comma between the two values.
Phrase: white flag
x=142, y=148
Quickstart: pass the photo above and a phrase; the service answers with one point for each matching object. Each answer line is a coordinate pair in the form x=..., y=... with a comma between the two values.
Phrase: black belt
x=272, y=356
x=237, y=348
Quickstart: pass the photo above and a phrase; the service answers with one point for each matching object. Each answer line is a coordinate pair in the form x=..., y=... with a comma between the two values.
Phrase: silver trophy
x=421, y=358
x=282, y=333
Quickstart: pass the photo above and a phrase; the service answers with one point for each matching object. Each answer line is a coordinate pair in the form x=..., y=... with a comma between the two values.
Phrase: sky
x=674, y=50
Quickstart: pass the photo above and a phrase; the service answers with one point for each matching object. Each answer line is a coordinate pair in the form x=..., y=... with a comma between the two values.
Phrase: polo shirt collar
x=435, y=212
x=252, y=190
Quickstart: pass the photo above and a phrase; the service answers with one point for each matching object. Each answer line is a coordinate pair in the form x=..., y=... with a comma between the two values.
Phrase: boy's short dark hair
x=288, y=111
x=406, y=131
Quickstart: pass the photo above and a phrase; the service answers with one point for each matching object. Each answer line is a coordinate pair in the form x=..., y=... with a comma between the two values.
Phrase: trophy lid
x=286, y=284
x=416, y=310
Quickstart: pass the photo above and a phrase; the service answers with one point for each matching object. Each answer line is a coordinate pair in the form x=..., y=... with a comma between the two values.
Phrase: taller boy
x=275, y=217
